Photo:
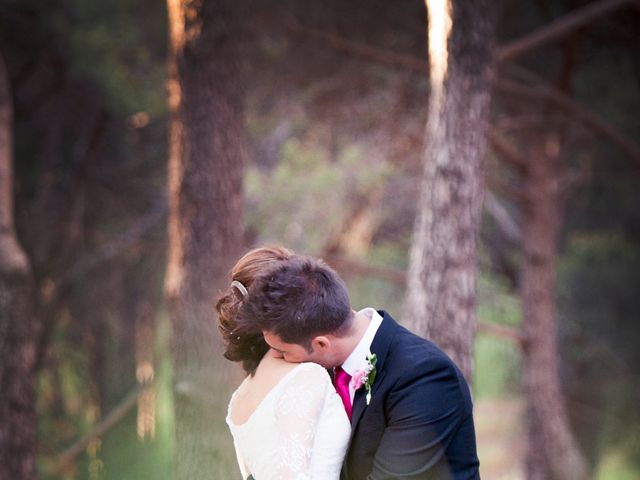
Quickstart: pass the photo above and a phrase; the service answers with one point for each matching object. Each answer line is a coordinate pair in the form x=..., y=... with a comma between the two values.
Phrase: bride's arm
x=298, y=408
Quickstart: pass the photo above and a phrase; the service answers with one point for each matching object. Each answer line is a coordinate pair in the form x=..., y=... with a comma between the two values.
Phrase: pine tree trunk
x=205, y=220
x=552, y=452
x=18, y=329
x=442, y=267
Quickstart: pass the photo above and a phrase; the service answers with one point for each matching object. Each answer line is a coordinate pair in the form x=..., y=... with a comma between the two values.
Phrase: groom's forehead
x=276, y=343
x=272, y=339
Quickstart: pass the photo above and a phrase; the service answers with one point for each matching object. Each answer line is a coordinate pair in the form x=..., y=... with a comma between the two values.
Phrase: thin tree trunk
x=18, y=332
x=442, y=267
x=205, y=220
x=552, y=453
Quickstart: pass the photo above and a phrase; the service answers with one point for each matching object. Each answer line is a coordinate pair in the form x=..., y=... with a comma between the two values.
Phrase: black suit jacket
x=419, y=423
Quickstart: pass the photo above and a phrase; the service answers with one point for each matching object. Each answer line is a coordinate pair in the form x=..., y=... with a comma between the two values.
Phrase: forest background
x=334, y=101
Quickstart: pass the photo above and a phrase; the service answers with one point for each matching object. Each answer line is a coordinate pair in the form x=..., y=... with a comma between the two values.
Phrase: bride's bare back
x=255, y=388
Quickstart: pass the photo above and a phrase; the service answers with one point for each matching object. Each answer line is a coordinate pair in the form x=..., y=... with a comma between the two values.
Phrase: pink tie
x=341, y=380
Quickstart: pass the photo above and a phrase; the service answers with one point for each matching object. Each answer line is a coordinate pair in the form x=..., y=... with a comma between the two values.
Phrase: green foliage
x=497, y=361
x=120, y=454
x=302, y=191
x=304, y=200
x=127, y=457
x=592, y=273
x=111, y=48
x=66, y=407
x=608, y=80
x=371, y=291
x=599, y=304
x=615, y=466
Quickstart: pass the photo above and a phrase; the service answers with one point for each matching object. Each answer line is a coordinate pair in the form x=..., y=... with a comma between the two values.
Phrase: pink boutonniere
x=366, y=376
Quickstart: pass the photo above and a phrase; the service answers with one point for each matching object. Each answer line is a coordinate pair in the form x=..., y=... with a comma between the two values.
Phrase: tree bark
x=205, y=219
x=552, y=452
x=441, y=291
x=18, y=329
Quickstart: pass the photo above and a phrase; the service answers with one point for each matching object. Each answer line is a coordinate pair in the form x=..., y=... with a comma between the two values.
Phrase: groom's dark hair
x=302, y=298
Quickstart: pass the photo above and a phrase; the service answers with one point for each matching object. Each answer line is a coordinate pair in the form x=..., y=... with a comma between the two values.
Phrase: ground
x=500, y=438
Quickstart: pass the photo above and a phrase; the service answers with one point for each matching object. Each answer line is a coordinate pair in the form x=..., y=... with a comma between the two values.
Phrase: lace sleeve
x=297, y=411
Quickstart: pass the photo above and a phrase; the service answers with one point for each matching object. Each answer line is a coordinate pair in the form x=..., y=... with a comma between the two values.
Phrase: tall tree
x=205, y=219
x=544, y=163
x=553, y=452
x=442, y=270
x=18, y=332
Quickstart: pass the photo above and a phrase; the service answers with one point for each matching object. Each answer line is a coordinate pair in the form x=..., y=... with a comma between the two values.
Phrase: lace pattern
x=297, y=409
x=300, y=430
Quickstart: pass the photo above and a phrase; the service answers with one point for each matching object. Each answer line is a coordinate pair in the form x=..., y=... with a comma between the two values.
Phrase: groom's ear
x=320, y=343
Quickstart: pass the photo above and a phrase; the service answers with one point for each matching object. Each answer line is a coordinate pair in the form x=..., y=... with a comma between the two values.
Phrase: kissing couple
x=332, y=393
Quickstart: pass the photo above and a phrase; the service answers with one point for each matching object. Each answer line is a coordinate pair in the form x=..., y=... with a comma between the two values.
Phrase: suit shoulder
x=405, y=343
x=412, y=356
x=408, y=345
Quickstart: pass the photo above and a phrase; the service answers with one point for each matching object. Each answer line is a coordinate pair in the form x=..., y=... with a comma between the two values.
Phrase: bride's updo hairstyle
x=243, y=340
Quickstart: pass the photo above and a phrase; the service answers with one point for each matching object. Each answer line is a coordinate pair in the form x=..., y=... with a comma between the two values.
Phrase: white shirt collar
x=357, y=359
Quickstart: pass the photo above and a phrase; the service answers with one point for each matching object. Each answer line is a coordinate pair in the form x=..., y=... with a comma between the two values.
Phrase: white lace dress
x=300, y=430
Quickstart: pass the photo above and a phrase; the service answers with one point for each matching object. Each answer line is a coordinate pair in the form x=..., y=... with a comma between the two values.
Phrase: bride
x=286, y=419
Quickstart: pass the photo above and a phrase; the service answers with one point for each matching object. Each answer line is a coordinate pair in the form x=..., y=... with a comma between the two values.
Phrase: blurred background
x=312, y=125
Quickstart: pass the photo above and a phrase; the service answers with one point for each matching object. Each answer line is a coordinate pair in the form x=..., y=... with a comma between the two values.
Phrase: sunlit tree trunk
x=552, y=451
x=18, y=329
x=441, y=292
x=205, y=219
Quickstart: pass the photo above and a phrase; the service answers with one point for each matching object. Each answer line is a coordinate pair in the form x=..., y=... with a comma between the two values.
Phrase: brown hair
x=300, y=298
x=243, y=340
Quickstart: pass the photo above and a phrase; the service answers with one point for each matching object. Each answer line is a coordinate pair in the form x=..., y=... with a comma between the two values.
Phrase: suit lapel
x=379, y=346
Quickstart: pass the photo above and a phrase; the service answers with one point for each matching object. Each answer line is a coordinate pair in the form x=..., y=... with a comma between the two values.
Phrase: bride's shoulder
x=315, y=368
x=308, y=372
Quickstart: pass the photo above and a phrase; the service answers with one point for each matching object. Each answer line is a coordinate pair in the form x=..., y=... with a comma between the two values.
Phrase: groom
x=409, y=405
